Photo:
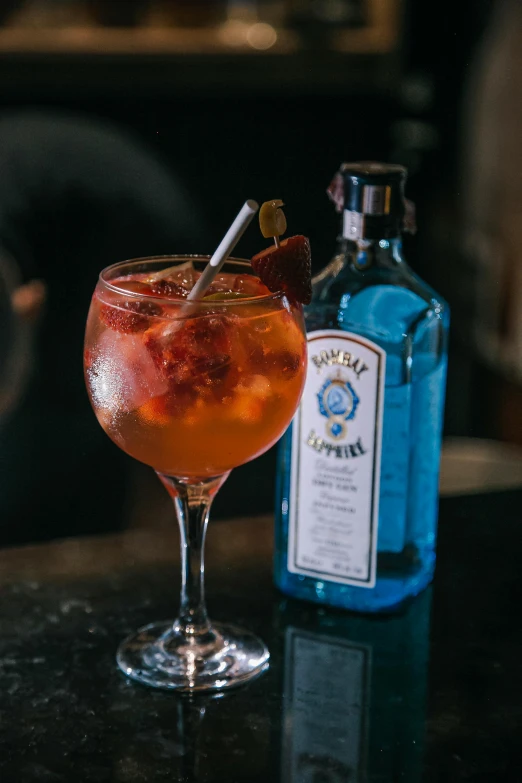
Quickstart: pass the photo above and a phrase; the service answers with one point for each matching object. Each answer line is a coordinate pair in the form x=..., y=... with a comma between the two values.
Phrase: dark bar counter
x=431, y=694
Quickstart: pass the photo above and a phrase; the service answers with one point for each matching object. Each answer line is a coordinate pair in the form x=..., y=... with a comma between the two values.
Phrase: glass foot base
x=159, y=656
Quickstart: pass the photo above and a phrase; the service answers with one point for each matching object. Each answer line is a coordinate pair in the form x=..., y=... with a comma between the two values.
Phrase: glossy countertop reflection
x=430, y=694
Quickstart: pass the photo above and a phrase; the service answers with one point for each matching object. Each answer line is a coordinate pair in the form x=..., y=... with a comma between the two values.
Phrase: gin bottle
x=357, y=495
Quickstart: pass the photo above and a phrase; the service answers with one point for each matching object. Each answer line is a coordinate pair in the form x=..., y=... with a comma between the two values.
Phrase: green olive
x=272, y=221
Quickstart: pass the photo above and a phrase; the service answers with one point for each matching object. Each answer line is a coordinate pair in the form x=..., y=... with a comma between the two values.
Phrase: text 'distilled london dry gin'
x=357, y=496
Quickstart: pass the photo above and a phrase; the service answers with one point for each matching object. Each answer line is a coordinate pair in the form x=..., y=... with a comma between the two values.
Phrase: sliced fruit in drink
x=287, y=268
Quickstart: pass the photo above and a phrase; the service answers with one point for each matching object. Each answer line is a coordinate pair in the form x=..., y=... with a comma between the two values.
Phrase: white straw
x=226, y=246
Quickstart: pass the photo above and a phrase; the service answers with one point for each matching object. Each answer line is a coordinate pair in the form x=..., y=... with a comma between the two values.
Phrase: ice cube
x=181, y=278
x=241, y=284
x=250, y=398
x=284, y=363
x=222, y=284
x=249, y=285
x=169, y=289
x=122, y=375
x=257, y=386
x=261, y=325
x=180, y=353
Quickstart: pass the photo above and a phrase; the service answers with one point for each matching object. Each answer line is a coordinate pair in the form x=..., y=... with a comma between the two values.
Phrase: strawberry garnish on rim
x=287, y=268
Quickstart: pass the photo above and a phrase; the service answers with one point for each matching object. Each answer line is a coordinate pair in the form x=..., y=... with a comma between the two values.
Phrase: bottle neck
x=372, y=253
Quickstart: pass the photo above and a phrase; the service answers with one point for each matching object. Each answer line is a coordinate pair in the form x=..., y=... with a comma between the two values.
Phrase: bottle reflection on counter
x=327, y=686
x=354, y=694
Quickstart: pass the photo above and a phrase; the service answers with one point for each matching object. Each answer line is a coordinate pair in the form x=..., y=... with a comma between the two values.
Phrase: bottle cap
x=371, y=195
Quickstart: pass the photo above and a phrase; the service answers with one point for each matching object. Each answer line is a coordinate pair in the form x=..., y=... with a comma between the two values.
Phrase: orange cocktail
x=192, y=389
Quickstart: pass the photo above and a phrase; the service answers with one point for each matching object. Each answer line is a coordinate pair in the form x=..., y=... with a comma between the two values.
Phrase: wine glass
x=193, y=389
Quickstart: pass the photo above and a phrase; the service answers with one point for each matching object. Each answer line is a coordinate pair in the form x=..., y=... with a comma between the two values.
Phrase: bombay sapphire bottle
x=357, y=496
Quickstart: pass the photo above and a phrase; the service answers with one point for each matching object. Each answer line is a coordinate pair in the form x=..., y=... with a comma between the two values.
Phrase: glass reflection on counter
x=354, y=694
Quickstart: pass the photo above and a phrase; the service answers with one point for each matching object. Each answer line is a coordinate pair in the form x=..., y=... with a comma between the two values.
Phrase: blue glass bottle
x=357, y=494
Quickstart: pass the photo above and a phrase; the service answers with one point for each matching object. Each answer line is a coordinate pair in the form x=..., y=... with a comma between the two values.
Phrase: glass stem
x=192, y=501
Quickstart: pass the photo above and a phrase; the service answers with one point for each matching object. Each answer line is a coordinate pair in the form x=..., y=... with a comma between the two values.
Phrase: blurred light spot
x=261, y=36
x=415, y=134
x=234, y=32
x=333, y=10
x=417, y=92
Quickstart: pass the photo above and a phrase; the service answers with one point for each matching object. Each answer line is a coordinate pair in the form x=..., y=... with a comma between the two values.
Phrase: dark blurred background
x=133, y=127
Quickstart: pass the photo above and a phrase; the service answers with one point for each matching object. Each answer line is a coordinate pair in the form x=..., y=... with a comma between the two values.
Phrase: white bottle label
x=327, y=695
x=336, y=458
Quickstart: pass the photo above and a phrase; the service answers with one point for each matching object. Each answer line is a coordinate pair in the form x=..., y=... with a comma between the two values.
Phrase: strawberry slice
x=287, y=268
x=135, y=320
